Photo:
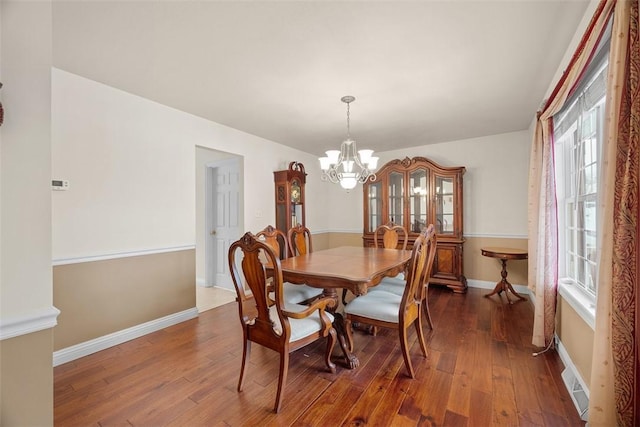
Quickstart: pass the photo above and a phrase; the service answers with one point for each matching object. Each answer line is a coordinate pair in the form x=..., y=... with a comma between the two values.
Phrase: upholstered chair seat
x=300, y=328
x=377, y=305
x=297, y=293
x=293, y=292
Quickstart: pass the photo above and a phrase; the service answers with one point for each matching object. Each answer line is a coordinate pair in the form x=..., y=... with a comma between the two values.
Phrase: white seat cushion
x=395, y=285
x=376, y=304
x=294, y=293
x=300, y=328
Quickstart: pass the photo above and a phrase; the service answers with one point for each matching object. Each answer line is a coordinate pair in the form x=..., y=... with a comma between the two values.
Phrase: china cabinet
x=415, y=192
x=289, y=195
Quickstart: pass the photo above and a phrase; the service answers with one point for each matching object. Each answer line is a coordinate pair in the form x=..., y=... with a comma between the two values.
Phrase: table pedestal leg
x=504, y=285
x=351, y=361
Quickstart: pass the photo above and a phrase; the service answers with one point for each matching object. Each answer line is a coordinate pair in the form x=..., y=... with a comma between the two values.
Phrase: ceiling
x=422, y=72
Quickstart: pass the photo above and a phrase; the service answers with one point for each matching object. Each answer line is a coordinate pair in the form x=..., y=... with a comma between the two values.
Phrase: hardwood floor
x=479, y=372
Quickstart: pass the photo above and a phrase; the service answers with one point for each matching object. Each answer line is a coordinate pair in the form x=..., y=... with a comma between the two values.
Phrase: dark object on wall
x=1, y=110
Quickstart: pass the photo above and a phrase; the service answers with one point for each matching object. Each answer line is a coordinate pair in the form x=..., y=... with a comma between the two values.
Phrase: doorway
x=219, y=221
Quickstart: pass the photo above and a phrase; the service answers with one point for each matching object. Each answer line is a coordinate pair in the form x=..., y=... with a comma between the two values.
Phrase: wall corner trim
x=29, y=322
x=101, y=343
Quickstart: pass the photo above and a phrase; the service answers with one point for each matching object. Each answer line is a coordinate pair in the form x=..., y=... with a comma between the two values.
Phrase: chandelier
x=348, y=166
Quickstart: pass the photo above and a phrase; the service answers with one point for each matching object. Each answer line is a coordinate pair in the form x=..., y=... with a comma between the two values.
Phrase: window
x=578, y=136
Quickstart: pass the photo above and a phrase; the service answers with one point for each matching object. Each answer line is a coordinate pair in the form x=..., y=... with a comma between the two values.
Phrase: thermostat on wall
x=60, y=184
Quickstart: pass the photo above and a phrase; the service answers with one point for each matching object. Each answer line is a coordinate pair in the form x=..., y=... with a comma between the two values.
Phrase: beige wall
x=576, y=337
x=479, y=267
x=102, y=297
x=26, y=386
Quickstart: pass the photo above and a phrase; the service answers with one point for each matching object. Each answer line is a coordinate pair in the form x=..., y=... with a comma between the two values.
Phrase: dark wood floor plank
x=479, y=372
x=525, y=394
x=452, y=419
x=393, y=399
x=338, y=397
x=427, y=399
x=300, y=395
x=498, y=327
x=460, y=394
x=505, y=411
x=480, y=408
x=391, y=366
x=481, y=379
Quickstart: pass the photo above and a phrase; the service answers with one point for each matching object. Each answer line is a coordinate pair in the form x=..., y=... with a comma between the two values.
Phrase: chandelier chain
x=348, y=121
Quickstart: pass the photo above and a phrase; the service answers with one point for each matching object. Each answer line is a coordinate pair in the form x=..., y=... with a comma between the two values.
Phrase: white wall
x=27, y=316
x=495, y=184
x=495, y=181
x=131, y=167
x=25, y=157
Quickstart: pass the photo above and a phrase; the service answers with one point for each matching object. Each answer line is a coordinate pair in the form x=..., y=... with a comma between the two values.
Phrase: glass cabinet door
x=375, y=206
x=418, y=200
x=396, y=197
x=445, y=207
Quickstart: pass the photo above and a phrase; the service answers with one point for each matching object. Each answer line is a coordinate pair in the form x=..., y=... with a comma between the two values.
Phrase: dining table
x=346, y=267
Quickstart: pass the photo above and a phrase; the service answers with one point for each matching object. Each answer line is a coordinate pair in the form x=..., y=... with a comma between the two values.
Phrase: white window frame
x=581, y=296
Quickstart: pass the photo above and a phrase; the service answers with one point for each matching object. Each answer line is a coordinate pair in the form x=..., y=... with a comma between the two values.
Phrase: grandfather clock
x=290, y=196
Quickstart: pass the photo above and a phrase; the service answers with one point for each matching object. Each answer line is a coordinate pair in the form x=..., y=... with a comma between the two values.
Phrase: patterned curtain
x=542, y=205
x=615, y=378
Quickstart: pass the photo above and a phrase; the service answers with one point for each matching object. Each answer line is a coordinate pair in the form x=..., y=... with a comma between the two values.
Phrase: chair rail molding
x=28, y=322
x=116, y=255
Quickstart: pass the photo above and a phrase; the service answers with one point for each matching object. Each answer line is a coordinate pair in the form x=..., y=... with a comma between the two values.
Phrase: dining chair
x=275, y=324
x=299, y=240
x=388, y=236
x=397, y=284
x=391, y=236
x=388, y=310
x=293, y=293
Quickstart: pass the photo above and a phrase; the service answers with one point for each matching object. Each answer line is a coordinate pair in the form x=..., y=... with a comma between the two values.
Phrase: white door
x=222, y=214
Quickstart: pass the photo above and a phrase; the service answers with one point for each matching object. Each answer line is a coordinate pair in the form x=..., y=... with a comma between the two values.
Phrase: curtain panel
x=615, y=381
x=542, y=204
x=615, y=376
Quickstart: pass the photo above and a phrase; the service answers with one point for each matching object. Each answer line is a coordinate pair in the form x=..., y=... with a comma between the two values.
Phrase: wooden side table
x=504, y=254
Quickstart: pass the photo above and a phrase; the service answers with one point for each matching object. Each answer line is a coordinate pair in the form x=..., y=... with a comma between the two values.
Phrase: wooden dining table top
x=350, y=267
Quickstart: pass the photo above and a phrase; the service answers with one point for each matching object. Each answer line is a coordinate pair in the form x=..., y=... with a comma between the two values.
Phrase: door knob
x=213, y=232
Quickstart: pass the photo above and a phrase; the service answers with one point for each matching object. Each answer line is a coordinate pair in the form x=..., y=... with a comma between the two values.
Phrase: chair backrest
x=248, y=259
x=276, y=239
x=420, y=265
x=391, y=236
x=299, y=240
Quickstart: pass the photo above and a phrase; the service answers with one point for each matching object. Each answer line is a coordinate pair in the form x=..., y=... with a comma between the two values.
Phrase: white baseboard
x=201, y=282
x=101, y=343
